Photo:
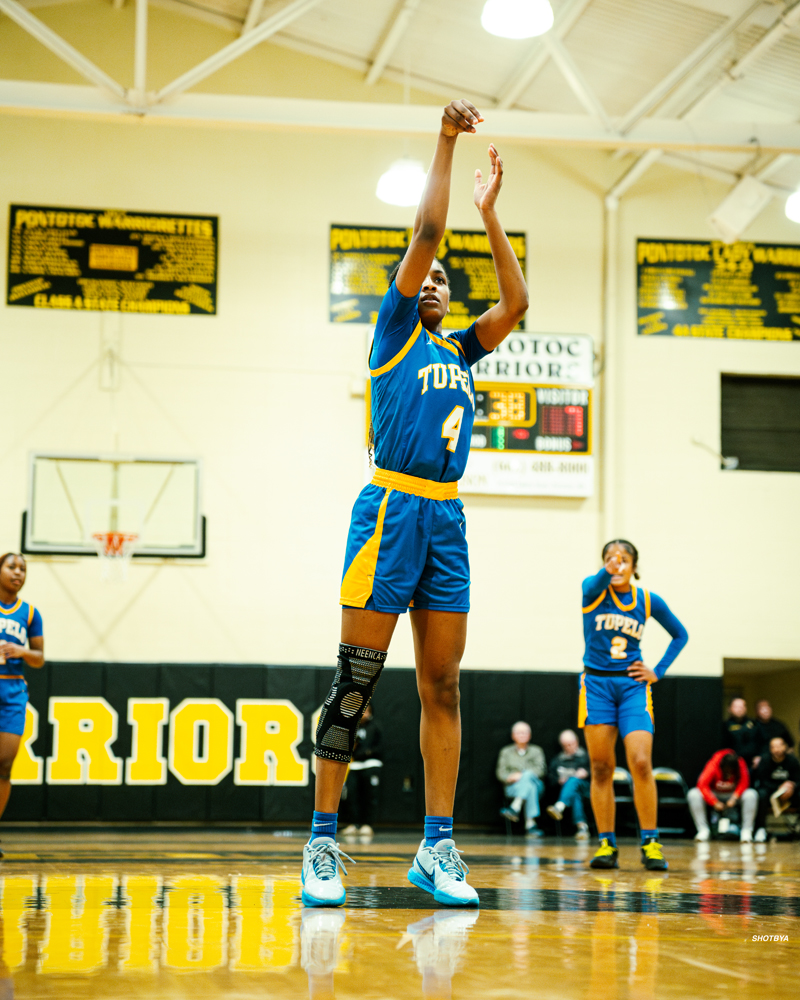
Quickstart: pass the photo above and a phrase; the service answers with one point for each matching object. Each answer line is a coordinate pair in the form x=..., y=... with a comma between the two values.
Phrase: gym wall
x=97, y=770
x=264, y=390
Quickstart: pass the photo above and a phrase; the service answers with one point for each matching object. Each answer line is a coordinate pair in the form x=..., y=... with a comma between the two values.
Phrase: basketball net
x=115, y=550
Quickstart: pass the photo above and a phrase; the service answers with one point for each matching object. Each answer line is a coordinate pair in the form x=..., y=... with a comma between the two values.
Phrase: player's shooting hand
x=485, y=194
x=639, y=672
x=460, y=116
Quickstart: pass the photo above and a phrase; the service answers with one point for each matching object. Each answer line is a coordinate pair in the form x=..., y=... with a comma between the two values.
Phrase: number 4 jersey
x=613, y=625
x=422, y=393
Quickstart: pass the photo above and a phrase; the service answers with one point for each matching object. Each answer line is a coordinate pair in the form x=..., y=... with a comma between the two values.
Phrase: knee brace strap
x=355, y=680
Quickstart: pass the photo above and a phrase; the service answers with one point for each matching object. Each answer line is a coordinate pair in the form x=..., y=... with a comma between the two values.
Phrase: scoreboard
x=531, y=418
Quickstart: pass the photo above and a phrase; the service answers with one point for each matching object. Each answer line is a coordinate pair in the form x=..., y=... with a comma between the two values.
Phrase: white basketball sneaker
x=322, y=883
x=440, y=871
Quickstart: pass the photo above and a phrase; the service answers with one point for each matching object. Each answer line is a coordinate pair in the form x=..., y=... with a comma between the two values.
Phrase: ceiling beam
x=396, y=31
x=785, y=23
x=140, y=53
x=243, y=44
x=58, y=46
x=742, y=10
x=288, y=113
x=252, y=15
x=576, y=80
x=530, y=67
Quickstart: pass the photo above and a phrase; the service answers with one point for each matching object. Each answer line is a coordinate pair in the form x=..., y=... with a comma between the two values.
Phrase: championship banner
x=111, y=261
x=533, y=418
x=736, y=291
x=362, y=258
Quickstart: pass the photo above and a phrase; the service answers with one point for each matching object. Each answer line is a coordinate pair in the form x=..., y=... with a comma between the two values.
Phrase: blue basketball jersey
x=18, y=623
x=613, y=625
x=422, y=393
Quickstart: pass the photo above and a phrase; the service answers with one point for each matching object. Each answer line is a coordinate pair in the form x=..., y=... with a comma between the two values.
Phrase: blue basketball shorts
x=615, y=701
x=405, y=551
x=13, y=701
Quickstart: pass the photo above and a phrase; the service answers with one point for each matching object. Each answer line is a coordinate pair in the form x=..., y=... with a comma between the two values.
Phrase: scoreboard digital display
x=537, y=419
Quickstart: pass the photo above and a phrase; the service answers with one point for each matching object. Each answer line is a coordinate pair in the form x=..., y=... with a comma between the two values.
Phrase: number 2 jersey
x=422, y=393
x=18, y=622
x=613, y=625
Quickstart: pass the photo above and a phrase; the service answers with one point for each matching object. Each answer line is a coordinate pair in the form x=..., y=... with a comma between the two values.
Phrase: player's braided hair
x=396, y=268
x=629, y=547
x=11, y=555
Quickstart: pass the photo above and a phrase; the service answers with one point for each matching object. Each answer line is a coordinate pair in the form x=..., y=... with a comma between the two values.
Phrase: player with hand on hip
x=615, y=694
x=20, y=623
x=407, y=545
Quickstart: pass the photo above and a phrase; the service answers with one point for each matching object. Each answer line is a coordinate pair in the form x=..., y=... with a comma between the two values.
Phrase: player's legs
x=601, y=741
x=9, y=745
x=639, y=751
x=368, y=630
x=439, y=640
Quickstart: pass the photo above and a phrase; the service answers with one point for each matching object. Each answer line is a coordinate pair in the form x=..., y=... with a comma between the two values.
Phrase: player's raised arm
x=496, y=323
x=431, y=218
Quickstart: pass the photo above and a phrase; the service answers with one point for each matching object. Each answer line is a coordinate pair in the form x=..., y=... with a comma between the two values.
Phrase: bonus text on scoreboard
x=733, y=291
x=109, y=260
x=363, y=257
x=198, y=733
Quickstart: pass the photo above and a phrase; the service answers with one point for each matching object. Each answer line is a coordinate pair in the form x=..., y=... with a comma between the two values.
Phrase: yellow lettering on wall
x=193, y=721
x=271, y=731
x=78, y=934
x=195, y=924
x=266, y=937
x=147, y=764
x=83, y=731
x=16, y=892
x=141, y=892
x=27, y=768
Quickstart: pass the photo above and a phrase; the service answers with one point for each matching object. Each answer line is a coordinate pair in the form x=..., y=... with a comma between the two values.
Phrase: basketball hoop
x=115, y=550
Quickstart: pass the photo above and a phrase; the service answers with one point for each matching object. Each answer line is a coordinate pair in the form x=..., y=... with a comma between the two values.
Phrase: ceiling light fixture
x=517, y=18
x=793, y=207
x=402, y=183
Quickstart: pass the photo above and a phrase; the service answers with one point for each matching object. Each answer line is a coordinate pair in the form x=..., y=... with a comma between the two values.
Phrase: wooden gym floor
x=179, y=913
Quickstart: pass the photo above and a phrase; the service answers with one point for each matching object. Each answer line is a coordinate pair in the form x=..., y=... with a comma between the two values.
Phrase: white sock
x=530, y=824
x=560, y=806
x=516, y=805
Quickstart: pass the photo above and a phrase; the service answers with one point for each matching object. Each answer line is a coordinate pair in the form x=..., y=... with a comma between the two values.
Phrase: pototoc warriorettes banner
x=111, y=260
x=738, y=291
x=362, y=258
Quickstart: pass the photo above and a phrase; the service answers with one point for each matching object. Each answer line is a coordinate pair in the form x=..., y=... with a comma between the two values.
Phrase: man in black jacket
x=739, y=732
x=364, y=776
x=777, y=779
x=767, y=728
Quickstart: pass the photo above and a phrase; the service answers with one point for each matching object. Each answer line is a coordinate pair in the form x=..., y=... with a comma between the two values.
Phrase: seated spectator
x=739, y=732
x=724, y=786
x=777, y=779
x=570, y=771
x=520, y=767
x=363, y=777
x=768, y=727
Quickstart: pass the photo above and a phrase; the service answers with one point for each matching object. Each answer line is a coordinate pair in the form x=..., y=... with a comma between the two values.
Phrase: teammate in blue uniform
x=407, y=544
x=20, y=623
x=615, y=694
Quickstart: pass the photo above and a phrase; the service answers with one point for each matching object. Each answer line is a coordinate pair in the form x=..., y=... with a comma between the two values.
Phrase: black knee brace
x=352, y=688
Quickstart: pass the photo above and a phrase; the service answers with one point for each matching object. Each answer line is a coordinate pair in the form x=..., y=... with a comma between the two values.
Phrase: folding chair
x=672, y=795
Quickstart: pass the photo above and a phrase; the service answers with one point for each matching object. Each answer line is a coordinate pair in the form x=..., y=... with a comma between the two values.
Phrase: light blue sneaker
x=440, y=871
x=322, y=883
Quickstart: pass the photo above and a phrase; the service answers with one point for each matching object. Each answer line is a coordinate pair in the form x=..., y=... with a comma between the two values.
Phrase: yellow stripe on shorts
x=583, y=708
x=360, y=576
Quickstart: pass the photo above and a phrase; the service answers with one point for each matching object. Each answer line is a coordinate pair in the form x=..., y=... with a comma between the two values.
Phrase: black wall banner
x=707, y=288
x=200, y=742
x=111, y=260
x=362, y=258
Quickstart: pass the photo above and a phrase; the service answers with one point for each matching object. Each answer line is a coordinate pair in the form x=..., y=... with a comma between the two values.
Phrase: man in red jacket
x=724, y=785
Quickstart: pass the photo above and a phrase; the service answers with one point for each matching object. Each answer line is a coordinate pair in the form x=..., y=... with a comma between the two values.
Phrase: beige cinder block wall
x=262, y=392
